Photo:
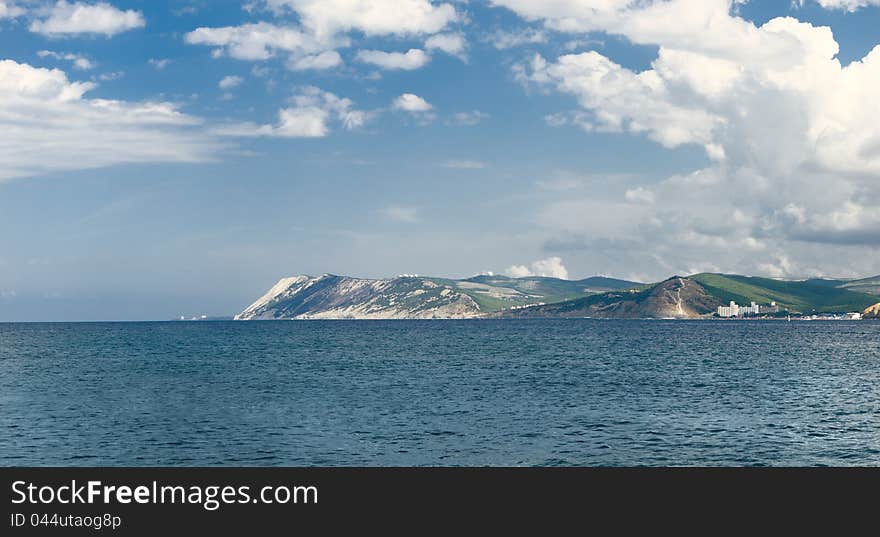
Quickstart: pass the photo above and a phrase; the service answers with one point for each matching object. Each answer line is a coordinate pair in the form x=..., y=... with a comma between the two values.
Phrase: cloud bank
x=47, y=123
x=794, y=149
x=551, y=267
x=66, y=19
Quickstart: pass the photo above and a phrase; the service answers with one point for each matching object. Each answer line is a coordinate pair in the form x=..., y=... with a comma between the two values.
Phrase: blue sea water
x=506, y=392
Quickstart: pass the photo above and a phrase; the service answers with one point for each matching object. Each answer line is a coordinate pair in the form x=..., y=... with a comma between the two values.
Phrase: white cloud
x=505, y=39
x=693, y=25
x=639, y=195
x=48, y=124
x=568, y=14
x=452, y=43
x=518, y=271
x=259, y=41
x=229, y=82
x=323, y=26
x=9, y=10
x=557, y=119
x=372, y=17
x=846, y=5
x=409, y=102
x=79, y=62
x=469, y=118
x=408, y=215
x=624, y=100
x=418, y=108
x=791, y=183
x=575, y=118
x=113, y=75
x=325, y=60
x=66, y=18
x=159, y=64
x=794, y=153
x=412, y=59
x=302, y=121
x=299, y=122
x=310, y=116
x=551, y=267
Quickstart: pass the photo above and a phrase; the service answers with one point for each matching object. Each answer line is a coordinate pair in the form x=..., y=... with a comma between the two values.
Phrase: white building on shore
x=735, y=310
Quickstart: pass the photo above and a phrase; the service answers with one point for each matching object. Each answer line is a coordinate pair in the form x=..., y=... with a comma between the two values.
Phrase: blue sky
x=567, y=138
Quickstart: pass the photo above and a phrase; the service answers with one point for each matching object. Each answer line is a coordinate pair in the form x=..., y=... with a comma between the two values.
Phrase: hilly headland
x=698, y=296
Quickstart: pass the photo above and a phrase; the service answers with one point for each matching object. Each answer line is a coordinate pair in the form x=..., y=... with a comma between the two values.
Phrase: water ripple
x=513, y=393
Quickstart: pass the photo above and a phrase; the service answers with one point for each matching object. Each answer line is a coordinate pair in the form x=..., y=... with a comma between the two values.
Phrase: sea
x=574, y=392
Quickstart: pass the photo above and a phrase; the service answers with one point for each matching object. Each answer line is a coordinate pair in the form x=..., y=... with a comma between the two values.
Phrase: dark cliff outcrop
x=675, y=298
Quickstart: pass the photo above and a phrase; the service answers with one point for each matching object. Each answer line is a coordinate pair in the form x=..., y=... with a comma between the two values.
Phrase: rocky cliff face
x=872, y=313
x=675, y=298
x=342, y=297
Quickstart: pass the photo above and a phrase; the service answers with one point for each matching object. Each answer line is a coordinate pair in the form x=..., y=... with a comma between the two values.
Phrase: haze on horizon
x=178, y=157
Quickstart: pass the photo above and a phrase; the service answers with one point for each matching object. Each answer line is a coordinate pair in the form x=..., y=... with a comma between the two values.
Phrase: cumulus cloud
x=66, y=18
x=846, y=5
x=229, y=82
x=372, y=17
x=551, y=267
x=639, y=195
x=782, y=122
x=324, y=25
x=310, y=115
x=79, y=62
x=9, y=10
x=452, y=43
x=407, y=61
x=416, y=107
x=410, y=102
x=624, y=100
x=158, y=64
x=259, y=41
x=505, y=39
x=47, y=123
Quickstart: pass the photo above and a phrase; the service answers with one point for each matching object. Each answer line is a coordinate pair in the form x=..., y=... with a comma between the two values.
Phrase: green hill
x=675, y=298
x=870, y=286
x=799, y=296
x=822, y=282
x=496, y=292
